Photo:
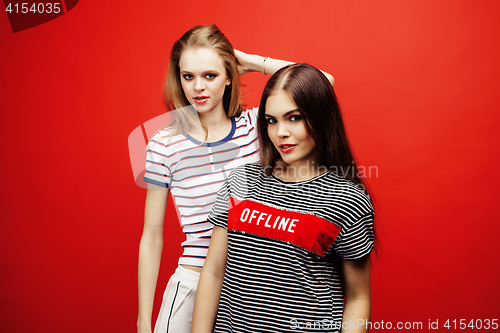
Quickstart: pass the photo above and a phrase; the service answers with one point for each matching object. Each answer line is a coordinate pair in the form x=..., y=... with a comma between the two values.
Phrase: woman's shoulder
x=248, y=170
x=248, y=167
x=248, y=115
x=347, y=192
x=167, y=134
x=244, y=177
x=166, y=137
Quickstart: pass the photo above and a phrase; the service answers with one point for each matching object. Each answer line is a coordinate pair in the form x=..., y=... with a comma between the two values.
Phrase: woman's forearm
x=207, y=302
x=149, y=265
x=256, y=63
x=266, y=65
x=209, y=289
x=150, y=250
x=356, y=275
x=356, y=315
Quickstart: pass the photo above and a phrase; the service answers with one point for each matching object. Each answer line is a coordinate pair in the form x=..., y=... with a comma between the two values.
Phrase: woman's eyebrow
x=205, y=72
x=285, y=115
x=290, y=112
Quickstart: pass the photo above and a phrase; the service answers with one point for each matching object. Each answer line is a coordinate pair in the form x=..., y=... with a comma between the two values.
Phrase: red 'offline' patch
x=28, y=14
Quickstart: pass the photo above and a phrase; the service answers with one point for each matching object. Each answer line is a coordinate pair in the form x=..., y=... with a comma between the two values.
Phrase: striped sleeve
x=251, y=116
x=157, y=171
x=219, y=214
x=356, y=240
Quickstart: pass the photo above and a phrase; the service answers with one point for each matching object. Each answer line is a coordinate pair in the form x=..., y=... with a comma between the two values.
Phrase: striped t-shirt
x=194, y=172
x=285, y=241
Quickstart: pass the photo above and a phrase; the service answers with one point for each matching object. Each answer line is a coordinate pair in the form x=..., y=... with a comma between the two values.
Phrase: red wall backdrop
x=419, y=85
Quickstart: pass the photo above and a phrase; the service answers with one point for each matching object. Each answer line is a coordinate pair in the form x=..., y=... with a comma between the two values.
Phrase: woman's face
x=203, y=78
x=287, y=130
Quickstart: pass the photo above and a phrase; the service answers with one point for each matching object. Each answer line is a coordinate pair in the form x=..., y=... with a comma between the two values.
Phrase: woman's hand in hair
x=244, y=62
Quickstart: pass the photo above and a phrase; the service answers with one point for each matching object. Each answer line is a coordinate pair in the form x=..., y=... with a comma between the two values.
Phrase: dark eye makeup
x=208, y=76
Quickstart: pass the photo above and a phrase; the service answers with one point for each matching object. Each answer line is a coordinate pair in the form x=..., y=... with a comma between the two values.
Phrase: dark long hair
x=314, y=96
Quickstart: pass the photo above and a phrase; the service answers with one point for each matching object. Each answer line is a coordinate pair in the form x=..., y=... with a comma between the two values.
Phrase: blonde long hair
x=211, y=37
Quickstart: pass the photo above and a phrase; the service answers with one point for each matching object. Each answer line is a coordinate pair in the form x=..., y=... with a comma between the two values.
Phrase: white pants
x=176, y=310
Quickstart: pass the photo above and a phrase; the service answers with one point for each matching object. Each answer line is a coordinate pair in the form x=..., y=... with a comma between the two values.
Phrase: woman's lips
x=201, y=99
x=286, y=148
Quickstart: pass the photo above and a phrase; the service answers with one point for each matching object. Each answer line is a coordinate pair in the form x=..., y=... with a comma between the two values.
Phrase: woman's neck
x=217, y=123
x=215, y=118
x=298, y=172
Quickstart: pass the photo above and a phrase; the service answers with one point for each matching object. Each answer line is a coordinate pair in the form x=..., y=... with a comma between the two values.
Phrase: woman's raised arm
x=254, y=63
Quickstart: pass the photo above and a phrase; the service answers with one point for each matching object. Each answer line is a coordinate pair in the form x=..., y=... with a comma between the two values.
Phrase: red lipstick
x=201, y=99
x=286, y=148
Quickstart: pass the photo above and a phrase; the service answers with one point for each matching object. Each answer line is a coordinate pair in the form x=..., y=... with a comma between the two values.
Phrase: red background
x=418, y=84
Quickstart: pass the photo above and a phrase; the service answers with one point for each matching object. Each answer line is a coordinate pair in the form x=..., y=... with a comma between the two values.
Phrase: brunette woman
x=292, y=235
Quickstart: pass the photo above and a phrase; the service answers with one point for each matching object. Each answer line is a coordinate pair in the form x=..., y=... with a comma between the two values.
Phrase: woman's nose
x=198, y=85
x=283, y=130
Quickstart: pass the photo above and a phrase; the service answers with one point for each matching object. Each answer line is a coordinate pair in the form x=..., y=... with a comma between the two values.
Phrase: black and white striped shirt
x=284, y=244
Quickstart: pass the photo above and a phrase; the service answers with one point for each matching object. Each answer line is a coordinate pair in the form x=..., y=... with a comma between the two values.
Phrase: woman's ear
x=228, y=82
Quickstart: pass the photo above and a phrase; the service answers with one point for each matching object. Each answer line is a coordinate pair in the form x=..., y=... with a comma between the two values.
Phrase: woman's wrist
x=255, y=63
x=144, y=326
